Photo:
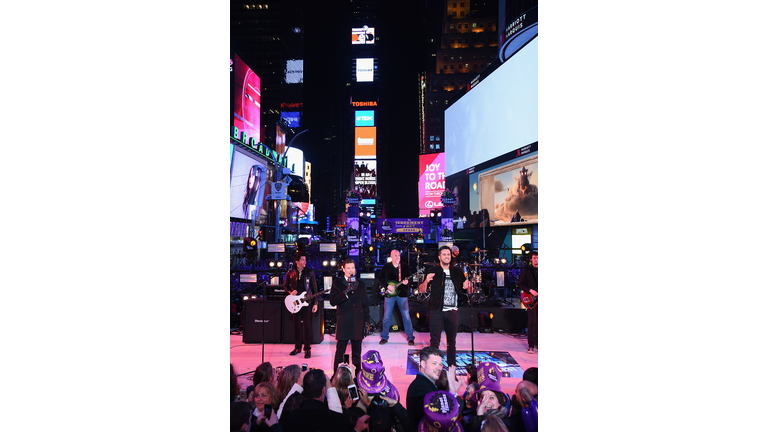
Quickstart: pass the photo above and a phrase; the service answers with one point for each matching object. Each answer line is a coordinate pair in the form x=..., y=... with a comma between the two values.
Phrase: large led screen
x=295, y=158
x=363, y=36
x=247, y=185
x=499, y=114
x=294, y=71
x=365, y=142
x=431, y=181
x=364, y=118
x=502, y=192
x=365, y=178
x=364, y=70
x=246, y=94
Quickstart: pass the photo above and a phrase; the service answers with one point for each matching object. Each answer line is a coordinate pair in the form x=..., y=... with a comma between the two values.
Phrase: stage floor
x=247, y=357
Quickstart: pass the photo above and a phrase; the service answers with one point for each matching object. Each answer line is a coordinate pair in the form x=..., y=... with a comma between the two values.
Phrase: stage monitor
x=328, y=247
x=276, y=247
x=367, y=275
x=444, y=243
x=495, y=115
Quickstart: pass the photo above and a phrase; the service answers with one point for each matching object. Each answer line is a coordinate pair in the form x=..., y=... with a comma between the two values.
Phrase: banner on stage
x=404, y=226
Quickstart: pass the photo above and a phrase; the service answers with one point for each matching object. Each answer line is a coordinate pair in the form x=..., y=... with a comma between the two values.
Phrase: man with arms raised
x=446, y=282
x=430, y=367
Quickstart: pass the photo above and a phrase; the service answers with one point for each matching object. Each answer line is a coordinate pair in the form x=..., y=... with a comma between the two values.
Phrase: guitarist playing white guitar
x=299, y=280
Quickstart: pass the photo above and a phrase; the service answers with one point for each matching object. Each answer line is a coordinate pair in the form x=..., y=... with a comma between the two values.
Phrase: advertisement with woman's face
x=246, y=186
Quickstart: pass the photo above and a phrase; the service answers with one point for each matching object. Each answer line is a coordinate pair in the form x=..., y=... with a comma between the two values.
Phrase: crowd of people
x=362, y=398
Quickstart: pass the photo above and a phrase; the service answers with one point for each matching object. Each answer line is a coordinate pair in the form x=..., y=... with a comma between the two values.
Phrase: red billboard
x=431, y=181
x=246, y=95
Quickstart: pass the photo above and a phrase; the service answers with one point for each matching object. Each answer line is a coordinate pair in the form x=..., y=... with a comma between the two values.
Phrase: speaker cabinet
x=317, y=325
x=262, y=316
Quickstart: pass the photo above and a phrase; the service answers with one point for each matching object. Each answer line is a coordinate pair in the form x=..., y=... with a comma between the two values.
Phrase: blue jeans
x=389, y=305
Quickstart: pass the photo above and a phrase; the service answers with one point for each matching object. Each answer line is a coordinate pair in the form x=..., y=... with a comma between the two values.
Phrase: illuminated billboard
x=364, y=118
x=295, y=159
x=365, y=142
x=431, y=181
x=308, y=178
x=294, y=71
x=364, y=70
x=246, y=95
x=365, y=178
x=247, y=186
x=363, y=36
x=292, y=118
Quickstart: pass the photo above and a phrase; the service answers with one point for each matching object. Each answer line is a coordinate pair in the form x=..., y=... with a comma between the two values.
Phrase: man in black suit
x=351, y=300
x=430, y=367
x=314, y=414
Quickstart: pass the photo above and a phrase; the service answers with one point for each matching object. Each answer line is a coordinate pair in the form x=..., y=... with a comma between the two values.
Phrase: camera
x=267, y=411
x=378, y=401
x=303, y=367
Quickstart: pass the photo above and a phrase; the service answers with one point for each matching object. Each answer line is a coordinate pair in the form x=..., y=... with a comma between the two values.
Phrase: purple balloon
x=531, y=416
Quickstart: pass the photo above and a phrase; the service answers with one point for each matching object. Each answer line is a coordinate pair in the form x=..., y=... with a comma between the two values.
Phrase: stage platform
x=246, y=357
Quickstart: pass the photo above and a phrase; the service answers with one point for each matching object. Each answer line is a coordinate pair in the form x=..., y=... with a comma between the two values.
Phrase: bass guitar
x=530, y=301
x=294, y=303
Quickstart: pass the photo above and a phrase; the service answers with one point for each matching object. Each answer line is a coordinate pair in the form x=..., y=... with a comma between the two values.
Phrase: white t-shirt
x=450, y=299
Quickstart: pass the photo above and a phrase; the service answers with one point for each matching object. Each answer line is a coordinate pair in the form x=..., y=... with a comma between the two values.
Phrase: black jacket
x=529, y=279
x=295, y=281
x=315, y=416
x=414, y=400
x=351, y=312
x=437, y=285
x=389, y=273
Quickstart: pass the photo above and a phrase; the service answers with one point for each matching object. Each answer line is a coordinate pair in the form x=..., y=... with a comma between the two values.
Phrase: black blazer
x=529, y=279
x=438, y=285
x=315, y=416
x=414, y=400
x=351, y=312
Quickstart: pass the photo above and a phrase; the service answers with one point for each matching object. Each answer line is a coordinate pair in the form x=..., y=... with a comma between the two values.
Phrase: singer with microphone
x=352, y=315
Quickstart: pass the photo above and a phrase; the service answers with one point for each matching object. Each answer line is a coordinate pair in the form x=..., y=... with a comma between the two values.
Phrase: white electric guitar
x=294, y=303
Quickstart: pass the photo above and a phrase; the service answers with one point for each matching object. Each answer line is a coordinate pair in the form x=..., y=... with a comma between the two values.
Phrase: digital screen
x=295, y=158
x=364, y=118
x=364, y=70
x=328, y=247
x=503, y=192
x=519, y=240
x=365, y=142
x=279, y=139
x=246, y=95
x=294, y=71
x=365, y=178
x=247, y=184
x=276, y=247
x=431, y=181
x=500, y=113
x=292, y=118
x=444, y=243
x=363, y=36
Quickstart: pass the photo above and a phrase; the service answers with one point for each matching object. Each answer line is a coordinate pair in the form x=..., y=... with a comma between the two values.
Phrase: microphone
x=489, y=234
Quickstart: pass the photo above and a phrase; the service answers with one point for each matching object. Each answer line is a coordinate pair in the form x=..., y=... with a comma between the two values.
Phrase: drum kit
x=472, y=271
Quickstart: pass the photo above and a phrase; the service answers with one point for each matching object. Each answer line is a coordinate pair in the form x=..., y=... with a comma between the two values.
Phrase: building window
x=431, y=137
x=467, y=65
x=454, y=5
x=445, y=58
x=474, y=66
x=451, y=26
x=459, y=66
x=462, y=15
x=451, y=66
x=445, y=66
x=474, y=25
x=451, y=57
x=462, y=5
x=459, y=40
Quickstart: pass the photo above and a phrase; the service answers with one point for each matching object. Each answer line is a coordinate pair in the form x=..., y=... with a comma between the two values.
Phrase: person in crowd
x=239, y=416
x=234, y=389
x=490, y=399
x=263, y=394
x=288, y=377
x=529, y=283
x=295, y=397
x=392, y=274
x=350, y=297
x=531, y=374
x=342, y=379
x=313, y=414
x=265, y=373
x=494, y=424
x=264, y=423
x=446, y=282
x=430, y=366
x=297, y=281
x=525, y=392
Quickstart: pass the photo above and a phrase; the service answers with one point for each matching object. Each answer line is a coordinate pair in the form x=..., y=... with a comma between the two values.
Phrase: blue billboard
x=364, y=118
x=292, y=118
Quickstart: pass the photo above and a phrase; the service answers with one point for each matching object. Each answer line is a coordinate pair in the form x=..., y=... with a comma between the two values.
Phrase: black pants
x=302, y=328
x=341, y=346
x=533, y=327
x=439, y=320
